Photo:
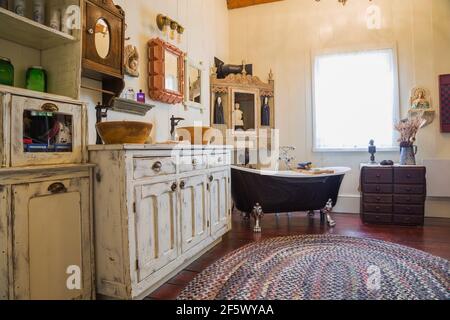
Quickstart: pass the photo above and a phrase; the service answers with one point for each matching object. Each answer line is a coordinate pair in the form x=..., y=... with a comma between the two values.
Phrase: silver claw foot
x=327, y=212
x=257, y=214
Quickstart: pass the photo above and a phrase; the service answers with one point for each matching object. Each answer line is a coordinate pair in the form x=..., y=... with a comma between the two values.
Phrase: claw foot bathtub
x=285, y=191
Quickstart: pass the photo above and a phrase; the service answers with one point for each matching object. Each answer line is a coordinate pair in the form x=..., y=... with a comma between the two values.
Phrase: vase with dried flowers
x=408, y=129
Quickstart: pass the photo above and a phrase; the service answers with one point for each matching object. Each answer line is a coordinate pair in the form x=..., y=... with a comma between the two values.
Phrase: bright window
x=355, y=100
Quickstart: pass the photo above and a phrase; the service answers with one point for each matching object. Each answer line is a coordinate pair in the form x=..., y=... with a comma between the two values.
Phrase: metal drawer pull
x=57, y=187
x=157, y=166
x=194, y=162
x=378, y=175
x=211, y=178
x=174, y=186
x=50, y=107
x=182, y=185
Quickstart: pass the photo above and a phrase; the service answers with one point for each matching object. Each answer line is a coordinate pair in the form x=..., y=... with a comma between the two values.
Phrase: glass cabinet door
x=45, y=132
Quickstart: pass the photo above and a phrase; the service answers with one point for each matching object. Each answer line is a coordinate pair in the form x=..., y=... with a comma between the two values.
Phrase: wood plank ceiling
x=234, y=4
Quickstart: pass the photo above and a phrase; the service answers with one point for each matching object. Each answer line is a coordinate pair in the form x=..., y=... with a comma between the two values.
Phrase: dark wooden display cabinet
x=393, y=195
x=103, y=46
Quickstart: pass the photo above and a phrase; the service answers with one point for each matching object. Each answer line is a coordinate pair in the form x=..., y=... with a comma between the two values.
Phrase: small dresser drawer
x=408, y=220
x=409, y=209
x=377, y=198
x=409, y=189
x=377, y=218
x=377, y=175
x=408, y=175
x=218, y=160
x=192, y=163
x=377, y=188
x=408, y=199
x=151, y=167
x=377, y=208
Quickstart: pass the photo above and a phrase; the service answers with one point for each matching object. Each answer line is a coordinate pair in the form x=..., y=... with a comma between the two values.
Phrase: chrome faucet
x=286, y=157
x=173, y=123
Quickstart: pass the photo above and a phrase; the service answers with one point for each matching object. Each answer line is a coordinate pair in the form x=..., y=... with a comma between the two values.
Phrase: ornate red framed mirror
x=166, y=72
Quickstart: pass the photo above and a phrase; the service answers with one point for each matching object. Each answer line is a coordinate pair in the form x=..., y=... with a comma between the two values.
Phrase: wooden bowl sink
x=123, y=132
x=208, y=135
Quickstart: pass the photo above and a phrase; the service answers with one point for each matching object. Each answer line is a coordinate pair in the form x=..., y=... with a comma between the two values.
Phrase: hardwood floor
x=433, y=238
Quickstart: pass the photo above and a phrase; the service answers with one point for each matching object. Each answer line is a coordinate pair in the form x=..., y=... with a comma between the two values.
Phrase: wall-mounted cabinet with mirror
x=103, y=46
x=166, y=72
x=194, y=84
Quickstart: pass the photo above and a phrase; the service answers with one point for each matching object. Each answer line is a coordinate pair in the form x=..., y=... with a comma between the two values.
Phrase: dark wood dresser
x=393, y=195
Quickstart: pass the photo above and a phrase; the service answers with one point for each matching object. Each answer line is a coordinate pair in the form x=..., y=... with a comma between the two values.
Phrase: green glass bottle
x=6, y=72
x=36, y=79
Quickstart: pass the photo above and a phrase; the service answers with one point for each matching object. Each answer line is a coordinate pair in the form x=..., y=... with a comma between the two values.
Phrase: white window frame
x=351, y=49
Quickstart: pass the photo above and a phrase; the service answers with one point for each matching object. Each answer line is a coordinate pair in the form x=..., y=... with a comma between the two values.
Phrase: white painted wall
x=206, y=36
x=282, y=36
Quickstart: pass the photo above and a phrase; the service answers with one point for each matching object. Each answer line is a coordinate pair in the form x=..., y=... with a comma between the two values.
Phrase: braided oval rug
x=325, y=267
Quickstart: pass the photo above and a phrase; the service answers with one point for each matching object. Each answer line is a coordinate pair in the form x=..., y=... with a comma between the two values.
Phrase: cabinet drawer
x=409, y=209
x=377, y=198
x=377, y=175
x=409, y=189
x=409, y=199
x=408, y=220
x=377, y=208
x=409, y=175
x=192, y=163
x=150, y=167
x=377, y=188
x=218, y=160
x=377, y=218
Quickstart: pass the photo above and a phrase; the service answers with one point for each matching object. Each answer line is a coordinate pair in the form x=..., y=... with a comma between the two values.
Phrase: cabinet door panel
x=156, y=214
x=4, y=230
x=50, y=237
x=219, y=201
x=194, y=220
x=54, y=246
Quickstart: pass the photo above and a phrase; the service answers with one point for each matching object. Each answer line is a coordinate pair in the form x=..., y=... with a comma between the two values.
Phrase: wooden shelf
x=131, y=107
x=29, y=33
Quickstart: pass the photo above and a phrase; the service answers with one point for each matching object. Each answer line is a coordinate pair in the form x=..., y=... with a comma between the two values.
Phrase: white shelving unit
x=29, y=33
x=28, y=43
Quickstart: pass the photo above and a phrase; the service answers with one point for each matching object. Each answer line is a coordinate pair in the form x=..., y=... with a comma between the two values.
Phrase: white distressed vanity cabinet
x=157, y=208
x=45, y=199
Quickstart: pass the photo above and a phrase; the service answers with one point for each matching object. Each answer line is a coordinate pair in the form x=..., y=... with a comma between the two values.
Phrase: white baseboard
x=434, y=207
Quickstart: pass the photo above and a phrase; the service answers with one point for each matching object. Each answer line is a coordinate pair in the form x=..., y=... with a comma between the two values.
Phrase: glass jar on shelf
x=20, y=7
x=6, y=72
x=36, y=79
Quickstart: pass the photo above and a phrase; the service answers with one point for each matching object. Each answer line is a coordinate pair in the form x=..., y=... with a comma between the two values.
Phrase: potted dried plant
x=408, y=129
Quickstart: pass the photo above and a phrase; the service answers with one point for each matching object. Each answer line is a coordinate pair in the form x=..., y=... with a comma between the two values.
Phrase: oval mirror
x=102, y=38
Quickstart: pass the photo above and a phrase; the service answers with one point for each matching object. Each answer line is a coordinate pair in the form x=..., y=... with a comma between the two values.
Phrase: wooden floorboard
x=433, y=238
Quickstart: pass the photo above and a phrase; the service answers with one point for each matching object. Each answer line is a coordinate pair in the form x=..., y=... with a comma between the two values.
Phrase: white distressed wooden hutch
x=45, y=197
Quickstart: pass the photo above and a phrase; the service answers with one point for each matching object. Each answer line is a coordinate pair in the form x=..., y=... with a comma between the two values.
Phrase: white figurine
x=238, y=117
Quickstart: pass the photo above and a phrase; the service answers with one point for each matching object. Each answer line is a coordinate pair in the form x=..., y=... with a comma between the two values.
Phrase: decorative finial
x=270, y=75
x=244, y=72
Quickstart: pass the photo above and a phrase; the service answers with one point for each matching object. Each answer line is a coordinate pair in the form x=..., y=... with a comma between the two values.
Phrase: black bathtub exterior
x=278, y=194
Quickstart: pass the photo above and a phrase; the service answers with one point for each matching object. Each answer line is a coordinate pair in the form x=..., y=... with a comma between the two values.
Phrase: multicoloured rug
x=323, y=267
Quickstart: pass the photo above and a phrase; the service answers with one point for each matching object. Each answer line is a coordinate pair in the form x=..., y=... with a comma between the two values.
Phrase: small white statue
x=238, y=116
